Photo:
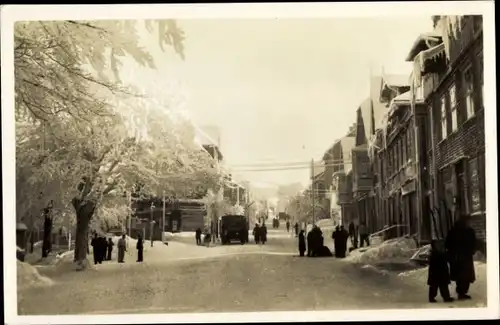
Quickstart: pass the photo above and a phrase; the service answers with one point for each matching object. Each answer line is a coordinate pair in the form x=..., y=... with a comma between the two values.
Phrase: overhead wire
x=279, y=168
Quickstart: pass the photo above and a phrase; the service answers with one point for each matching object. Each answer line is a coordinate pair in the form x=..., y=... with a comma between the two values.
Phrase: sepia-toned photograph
x=291, y=158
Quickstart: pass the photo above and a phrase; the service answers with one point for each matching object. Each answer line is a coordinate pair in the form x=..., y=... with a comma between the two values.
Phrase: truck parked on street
x=234, y=228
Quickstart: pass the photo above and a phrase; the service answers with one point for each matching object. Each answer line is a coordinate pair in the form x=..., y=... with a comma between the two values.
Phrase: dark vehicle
x=234, y=227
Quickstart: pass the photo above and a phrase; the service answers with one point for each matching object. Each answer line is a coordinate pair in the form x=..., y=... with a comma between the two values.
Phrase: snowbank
x=28, y=277
x=184, y=234
x=392, y=251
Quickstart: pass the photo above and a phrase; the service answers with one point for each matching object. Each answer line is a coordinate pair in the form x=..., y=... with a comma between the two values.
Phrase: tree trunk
x=84, y=212
x=47, y=234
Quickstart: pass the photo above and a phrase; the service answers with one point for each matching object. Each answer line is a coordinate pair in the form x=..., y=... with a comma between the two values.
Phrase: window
x=405, y=147
x=443, y=118
x=468, y=83
x=474, y=186
x=453, y=107
x=481, y=78
x=462, y=189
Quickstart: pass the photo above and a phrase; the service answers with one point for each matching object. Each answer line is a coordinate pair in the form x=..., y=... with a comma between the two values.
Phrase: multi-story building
x=341, y=191
x=451, y=75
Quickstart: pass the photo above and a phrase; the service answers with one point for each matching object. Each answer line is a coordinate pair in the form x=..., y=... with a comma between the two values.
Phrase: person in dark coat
x=103, y=247
x=302, y=243
x=95, y=248
x=110, y=249
x=198, y=236
x=263, y=234
x=287, y=226
x=461, y=246
x=352, y=232
x=336, y=240
x=296, y=227
x=343, y=236
x=256, y=233
x=438, y=276
x=140, y=249
x=317, y=239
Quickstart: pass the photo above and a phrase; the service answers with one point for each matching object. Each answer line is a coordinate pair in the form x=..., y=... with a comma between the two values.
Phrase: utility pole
x=129, y=214
x=163, y=220
x=312, y=191
x=151, y=223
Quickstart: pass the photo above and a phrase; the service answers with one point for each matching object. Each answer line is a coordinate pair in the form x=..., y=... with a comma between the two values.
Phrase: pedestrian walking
x=122, y=248
x=302, y=243
x=343, y=236
x=256, y=233
x=263, y=232
x=296, y=227
x=110, y=249
x=352, y=232
x=198, y=236
x=287, y=226
x=364, y=236
x=95, y=248
x=140, y=249
x=461, y=246
x=207, y=238
x=103, y=246
x=336, y=240
x=438, y=276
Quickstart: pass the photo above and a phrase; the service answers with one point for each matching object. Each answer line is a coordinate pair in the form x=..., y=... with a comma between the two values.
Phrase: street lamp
x=151, y=222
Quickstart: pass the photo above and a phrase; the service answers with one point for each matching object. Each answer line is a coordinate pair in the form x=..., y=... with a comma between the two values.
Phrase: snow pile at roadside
x=28, y=276
x=184, y=234
x=396, y=251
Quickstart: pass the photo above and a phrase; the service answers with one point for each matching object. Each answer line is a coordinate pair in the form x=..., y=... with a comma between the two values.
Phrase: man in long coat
x=342, y=235
x=122, y=248
x=302, y=243
x=140, y=249
x=461, y=246
x=336, y=240
x=256, y=233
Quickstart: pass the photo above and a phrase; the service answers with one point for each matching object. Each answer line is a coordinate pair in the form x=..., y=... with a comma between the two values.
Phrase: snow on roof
x=366, y=115
x=379, y=108
x=406, y=97
x=395, y=80
x=348, y=144
x=421, y=43
x=403, y=99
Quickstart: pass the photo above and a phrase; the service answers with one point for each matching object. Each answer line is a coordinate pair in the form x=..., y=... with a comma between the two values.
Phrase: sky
x=278, y=89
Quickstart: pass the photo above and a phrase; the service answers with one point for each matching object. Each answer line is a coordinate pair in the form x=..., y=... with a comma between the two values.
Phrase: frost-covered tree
x=301, y=206
x=81, y=136
x=54, y=61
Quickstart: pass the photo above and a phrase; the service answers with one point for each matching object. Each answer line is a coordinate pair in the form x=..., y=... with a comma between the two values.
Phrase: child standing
x=439, y=274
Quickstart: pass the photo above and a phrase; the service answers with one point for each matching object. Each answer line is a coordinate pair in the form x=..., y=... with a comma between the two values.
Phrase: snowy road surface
x=225, y=279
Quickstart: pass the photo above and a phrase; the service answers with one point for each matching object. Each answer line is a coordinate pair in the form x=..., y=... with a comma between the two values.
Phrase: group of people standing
x=340, y=236
x=315, y=242
x=260, y=233
x=103, y=249
x=452, y=260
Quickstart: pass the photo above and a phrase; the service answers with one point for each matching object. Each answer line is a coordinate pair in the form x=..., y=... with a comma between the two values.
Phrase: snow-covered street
x=185, y=278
